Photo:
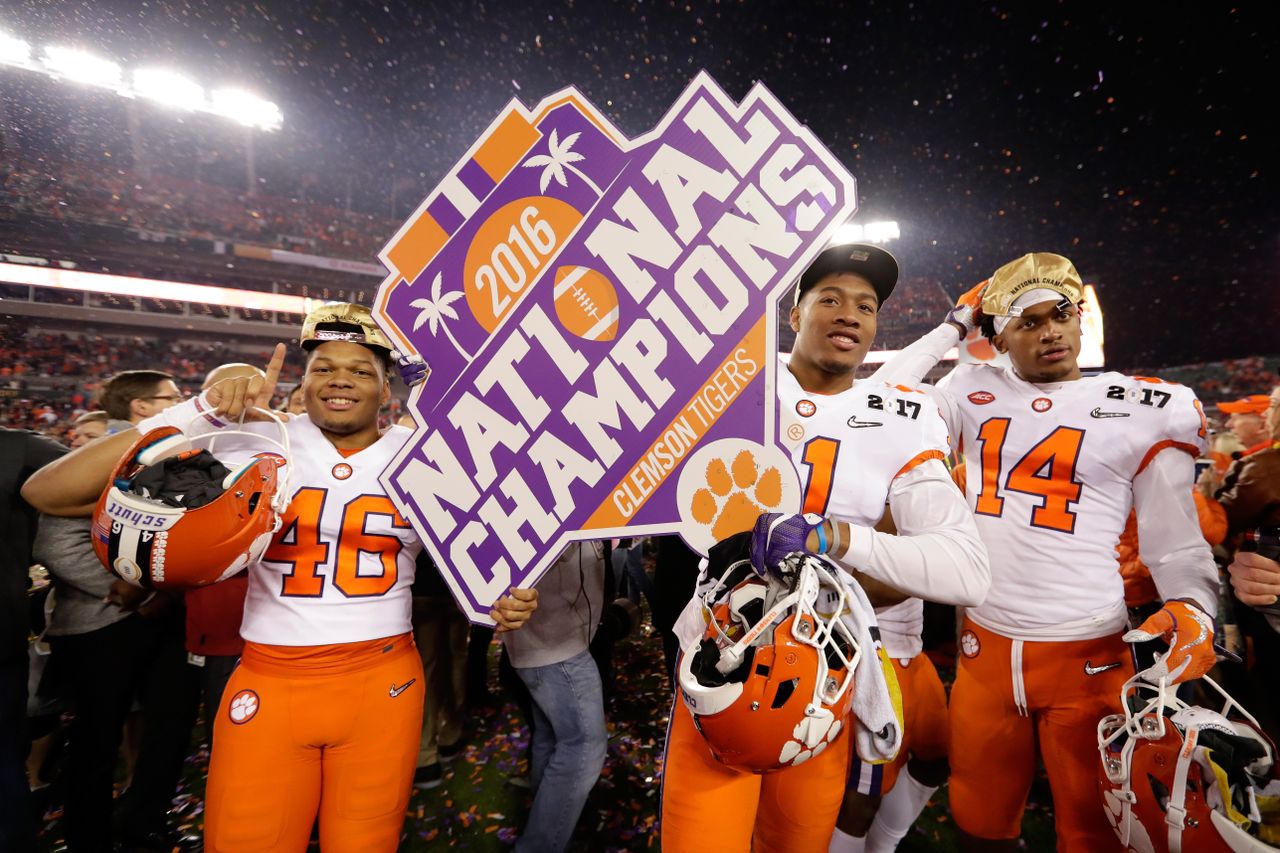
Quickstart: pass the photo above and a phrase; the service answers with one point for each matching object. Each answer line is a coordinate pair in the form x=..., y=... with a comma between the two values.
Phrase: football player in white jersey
x=1055, y=460
x=323, y=714
x=857, y=447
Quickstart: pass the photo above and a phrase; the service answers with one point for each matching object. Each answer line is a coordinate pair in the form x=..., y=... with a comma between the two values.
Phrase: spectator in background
x=1250, y=494
x=87, y=427
x=1247, y=420
x=133, y=395
x=294, y=405
x=21, y=454
x=116, y=641
x=552, y=657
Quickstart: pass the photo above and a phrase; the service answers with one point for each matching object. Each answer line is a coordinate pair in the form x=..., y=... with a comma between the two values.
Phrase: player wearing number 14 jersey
x=1054, y=463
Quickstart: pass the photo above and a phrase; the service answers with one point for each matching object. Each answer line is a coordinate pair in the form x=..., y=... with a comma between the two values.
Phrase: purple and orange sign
x=599, y=316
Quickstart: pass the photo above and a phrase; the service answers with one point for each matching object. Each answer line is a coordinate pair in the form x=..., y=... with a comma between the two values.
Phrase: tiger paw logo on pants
x=244, y=705
x=727, y=484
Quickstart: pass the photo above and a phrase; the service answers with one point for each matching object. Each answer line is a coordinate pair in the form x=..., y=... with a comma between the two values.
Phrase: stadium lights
x=245, y=108
x=159, y=85
x=82, y=67
x=167, y=87
x=872, y=232
x=14, y=51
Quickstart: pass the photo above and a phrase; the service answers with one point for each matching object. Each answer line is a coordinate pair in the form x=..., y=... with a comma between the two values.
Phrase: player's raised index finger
x=273, y=371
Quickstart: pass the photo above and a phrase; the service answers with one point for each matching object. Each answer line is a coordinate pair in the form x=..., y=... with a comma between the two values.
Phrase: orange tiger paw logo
x=736, y=494
x=725, y=486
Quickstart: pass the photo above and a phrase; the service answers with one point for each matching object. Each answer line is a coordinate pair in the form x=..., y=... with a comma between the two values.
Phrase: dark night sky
x=1133, y=139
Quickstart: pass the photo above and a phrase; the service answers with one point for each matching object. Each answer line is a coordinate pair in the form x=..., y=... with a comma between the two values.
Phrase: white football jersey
x=847, y=449
x=340, y=567
x=1049, y=477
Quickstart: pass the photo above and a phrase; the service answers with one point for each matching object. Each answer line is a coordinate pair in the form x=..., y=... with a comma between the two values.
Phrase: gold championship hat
x=1036, y=271
x=342, y=321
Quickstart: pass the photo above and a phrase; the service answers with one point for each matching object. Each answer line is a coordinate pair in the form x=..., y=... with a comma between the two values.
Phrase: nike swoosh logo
x=396, y=691
x=1090, y=669
x=1098, y=413
x=857, y=424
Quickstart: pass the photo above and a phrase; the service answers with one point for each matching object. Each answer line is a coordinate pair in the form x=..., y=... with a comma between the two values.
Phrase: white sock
x=843, y=842
x=898, y=812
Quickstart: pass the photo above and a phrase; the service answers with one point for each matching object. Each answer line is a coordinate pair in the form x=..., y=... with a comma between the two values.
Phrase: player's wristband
x=194, y=417
x=822, y=538
x=835, y=538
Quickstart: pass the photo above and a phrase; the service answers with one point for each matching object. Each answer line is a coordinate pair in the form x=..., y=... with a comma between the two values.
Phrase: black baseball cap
x=871, y=262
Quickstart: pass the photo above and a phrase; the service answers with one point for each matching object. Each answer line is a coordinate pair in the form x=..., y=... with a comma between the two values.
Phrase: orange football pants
x=924, y=727
x=327, y=730
x=1010, y=695
x=709, y=807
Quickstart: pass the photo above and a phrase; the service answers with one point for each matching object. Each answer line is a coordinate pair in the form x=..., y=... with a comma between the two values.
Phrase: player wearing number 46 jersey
x=323, y=715
x=1055, y=461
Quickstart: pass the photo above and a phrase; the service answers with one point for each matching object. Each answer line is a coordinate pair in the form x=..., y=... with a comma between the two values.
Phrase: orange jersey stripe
x=919, y=459
x=1161, y=445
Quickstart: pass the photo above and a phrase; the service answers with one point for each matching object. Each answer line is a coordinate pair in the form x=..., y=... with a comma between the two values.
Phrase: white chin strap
x=1030, y=299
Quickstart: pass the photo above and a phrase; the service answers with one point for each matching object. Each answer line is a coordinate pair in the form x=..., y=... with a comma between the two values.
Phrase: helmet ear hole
x=253, y=501
x=785, y=691
x=1159, y=791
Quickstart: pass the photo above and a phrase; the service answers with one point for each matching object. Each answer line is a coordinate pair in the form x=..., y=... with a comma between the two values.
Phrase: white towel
x=877, y=699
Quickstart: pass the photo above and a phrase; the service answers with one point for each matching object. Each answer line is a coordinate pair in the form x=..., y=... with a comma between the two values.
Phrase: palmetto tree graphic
x=560, y=158
x=436, y=311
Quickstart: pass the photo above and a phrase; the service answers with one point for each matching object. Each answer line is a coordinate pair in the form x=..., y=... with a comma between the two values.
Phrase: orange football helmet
x=173, y=516
x=1179, y=777
x=771, y=683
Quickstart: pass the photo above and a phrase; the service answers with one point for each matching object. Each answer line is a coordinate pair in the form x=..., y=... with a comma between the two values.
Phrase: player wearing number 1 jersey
x=1054, y=463
x=323, y=714
x=856, y=446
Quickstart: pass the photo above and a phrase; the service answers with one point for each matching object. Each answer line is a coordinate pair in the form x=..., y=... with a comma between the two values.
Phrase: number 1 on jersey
x=1048, y=471
x=820, y=455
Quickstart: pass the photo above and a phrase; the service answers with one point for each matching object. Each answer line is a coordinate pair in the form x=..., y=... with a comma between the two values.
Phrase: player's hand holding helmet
x=771, y=682
x=966, y=314
x=175, y=516
x=777, y=535
x=1180, y=777
x=1188, y=630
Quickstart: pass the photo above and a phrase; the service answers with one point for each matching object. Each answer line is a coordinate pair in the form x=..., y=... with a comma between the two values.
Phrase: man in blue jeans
x=551, y=657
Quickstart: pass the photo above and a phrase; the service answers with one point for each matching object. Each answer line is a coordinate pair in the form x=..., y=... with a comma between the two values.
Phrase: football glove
x=413, y=370
x=777, y=535
x=967, y=312
x=1189, y=632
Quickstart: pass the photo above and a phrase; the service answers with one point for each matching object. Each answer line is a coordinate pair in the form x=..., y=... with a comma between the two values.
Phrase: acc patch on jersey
x=244, y=705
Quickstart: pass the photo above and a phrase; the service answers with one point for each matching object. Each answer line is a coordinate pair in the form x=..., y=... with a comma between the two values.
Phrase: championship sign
x=599, y=316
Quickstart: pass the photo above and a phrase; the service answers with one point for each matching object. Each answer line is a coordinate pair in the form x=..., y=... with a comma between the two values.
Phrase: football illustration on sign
x=586, y=303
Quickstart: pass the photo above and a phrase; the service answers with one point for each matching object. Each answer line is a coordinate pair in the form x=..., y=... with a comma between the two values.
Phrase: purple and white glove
x=777, y=535
x=966, y=314
x=413, y=370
